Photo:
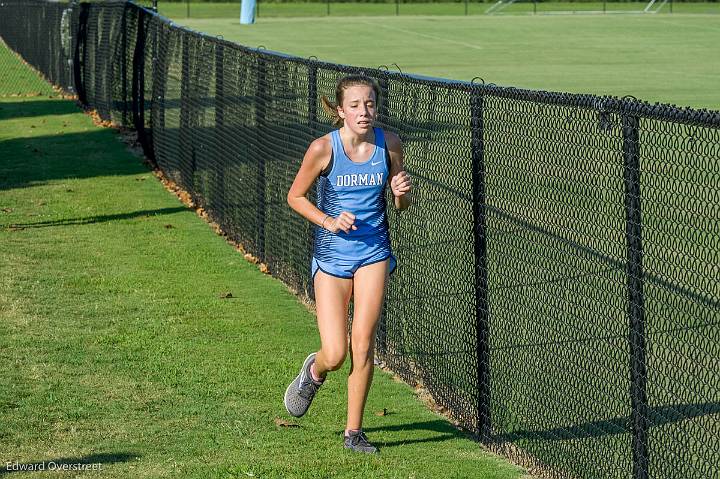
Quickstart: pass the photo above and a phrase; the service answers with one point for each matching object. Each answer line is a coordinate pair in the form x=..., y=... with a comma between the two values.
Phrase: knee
x=334, y=359
x=362, y=350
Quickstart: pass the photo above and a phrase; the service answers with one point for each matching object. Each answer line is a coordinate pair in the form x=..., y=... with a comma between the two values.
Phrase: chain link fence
x=557, y=289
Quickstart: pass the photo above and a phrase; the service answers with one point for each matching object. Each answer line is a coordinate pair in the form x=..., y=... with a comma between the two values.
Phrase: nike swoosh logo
x=373, y=163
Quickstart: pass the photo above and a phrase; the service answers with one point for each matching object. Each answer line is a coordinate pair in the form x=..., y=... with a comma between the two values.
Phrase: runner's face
x=358, y=109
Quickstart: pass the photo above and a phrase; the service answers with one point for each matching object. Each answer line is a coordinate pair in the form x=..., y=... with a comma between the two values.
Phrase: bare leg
x=332, y=297
x=369, y=291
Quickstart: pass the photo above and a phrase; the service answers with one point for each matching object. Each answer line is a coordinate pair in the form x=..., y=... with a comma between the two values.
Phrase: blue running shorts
x=345, y=268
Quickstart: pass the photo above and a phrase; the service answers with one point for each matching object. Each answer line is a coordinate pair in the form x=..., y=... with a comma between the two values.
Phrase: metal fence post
x=154, y=24
x=80, y=53
x=312, y=102
x=384, y=109
x=636, y=307
x=260, y=125
x=138, y=87
x=482, y=324
x=312, y=95
x=123, y=65
x=159, y=86
x=219, y=93
x=186, y=143
x=219, y=162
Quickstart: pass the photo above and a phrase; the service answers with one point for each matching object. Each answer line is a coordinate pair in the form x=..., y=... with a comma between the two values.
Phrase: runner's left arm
x=400, y=181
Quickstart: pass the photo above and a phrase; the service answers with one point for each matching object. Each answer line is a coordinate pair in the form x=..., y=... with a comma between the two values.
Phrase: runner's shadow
x=446, y=432
x=70, y=462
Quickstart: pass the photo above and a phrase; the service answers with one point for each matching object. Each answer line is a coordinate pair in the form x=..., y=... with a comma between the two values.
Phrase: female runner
x=352, y=253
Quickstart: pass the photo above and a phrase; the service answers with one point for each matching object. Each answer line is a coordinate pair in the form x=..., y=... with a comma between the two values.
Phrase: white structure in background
x=247, y=11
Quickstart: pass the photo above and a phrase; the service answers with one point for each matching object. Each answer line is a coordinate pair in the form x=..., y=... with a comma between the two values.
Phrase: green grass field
x=117, y=348
x=657, y=58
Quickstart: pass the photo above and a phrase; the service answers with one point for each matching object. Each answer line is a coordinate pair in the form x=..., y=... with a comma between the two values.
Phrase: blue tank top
x=360, y=189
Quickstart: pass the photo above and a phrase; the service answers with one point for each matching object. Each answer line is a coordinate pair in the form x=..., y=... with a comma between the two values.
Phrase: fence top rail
x=602, y=104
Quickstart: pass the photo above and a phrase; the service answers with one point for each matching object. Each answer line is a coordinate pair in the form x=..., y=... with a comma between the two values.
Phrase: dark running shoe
x=300, y=393
x=358, y=441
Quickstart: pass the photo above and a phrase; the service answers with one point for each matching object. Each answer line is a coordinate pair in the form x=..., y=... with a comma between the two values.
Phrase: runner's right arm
x=316, y=159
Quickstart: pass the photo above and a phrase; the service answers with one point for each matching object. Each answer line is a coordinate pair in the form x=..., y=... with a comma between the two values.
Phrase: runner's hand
x=400, y=183
x=345, y=222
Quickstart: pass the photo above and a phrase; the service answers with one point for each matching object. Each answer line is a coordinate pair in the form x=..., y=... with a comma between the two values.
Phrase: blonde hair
x=346, y=82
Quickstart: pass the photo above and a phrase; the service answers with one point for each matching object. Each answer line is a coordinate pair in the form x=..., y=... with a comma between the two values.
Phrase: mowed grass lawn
x=118, y=348
x=658, y=58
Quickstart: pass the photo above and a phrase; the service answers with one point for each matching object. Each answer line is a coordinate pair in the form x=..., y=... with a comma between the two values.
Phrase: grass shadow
x=36, y=160
x=657, y=416
x=35, y=108
x=97, y=219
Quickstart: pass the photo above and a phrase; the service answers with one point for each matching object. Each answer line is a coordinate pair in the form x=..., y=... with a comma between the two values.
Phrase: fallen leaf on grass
x=384, y=412
x=264, y=268
x=216, y=228
x=226, y=295
x=7, y=210
x=283, y=423
x=168, y=226
x=70, y=190
x=98, y=121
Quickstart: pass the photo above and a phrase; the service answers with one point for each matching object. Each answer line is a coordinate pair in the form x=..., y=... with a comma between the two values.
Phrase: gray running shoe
x=358, y=441
x=300, y=393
